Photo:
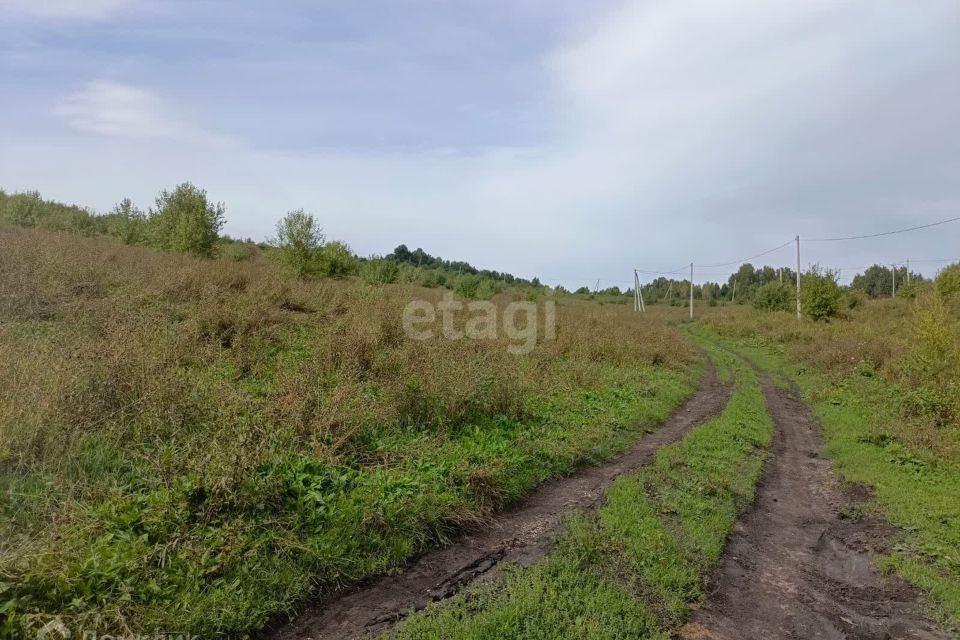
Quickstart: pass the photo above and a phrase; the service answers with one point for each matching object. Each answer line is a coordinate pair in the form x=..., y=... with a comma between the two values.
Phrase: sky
x=572, y=140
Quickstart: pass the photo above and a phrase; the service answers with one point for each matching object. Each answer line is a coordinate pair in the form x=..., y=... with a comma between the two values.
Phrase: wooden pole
x=798, y=277
x=691, y=291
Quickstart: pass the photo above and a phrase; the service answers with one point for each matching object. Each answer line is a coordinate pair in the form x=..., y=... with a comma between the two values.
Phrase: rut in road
x=797, y=565
x=521, y=536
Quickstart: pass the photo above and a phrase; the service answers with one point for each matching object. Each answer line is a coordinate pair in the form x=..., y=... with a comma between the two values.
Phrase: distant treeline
x=185, y=220
x=420, y=258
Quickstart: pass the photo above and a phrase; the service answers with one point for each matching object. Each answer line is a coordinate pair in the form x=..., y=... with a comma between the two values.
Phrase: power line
x=938, y=260
x=759, y=255
x=665, y=273
x=885, y=233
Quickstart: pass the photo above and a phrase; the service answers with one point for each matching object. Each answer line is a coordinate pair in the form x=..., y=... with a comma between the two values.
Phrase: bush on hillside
x=299, y=240
x=379, y=271
x=336, y=260
x=185, y=221
x=28, y=209
x=467, y=286
x=126, y=223
x=820, y=295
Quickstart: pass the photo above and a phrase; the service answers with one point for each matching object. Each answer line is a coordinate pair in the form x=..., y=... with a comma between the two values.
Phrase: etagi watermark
x=520, y=322
x=57, y=630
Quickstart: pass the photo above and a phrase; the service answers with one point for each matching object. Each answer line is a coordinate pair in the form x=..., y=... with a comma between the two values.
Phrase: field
x=214, y=446
x=202, y=444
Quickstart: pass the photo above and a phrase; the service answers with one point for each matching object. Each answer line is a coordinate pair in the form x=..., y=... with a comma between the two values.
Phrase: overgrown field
x=199, y=445
x=885, y=383
x=631, y=569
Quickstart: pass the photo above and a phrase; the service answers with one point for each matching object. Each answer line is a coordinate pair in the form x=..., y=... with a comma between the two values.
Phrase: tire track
x=798, y=564
x=520, y=535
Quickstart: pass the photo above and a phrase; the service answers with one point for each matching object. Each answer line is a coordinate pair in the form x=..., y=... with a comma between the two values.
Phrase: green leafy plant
x=299, y=240
x=775, y=296
x=820, y=295
x=185, y=221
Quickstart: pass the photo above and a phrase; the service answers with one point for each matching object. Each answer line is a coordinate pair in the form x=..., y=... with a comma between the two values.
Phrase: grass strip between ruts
x=631, y=568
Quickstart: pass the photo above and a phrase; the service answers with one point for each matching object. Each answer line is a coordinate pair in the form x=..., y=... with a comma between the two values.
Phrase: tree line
x=185, y=220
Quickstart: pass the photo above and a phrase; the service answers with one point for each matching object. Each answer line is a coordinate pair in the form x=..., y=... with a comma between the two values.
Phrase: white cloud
x=127, y=111
x=681, y=130
x=66, y=10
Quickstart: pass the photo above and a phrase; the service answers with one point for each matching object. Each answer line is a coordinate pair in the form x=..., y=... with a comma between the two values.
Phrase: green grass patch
x=156, y=555
x=632, y=568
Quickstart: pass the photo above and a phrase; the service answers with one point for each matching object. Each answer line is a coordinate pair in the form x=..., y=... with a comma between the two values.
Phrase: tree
x=126, y=222
x=948, y=281
x=820, y=294
x=299, y=240
x=775, y=296
x=874, y=281
x=184, y=221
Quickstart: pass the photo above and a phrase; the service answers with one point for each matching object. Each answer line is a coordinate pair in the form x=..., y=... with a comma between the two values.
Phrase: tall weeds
x=205, y=441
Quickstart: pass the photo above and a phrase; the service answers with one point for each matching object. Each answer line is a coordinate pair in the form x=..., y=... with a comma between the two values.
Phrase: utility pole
x=637, y=294
x=798, y=277
x=691, y=291
x=780, y=275
x=893, y=272
x=908, y=273
x=733, y=298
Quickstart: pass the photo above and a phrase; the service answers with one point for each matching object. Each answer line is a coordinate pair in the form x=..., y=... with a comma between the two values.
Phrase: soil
x=520, y=536
x=798, y=564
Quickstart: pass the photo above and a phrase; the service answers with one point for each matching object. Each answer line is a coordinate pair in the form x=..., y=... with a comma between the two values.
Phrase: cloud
x=126, y=111
x=663, y=131
x=66, y=10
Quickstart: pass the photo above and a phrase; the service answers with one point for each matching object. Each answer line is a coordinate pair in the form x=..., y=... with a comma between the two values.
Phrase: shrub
x=28, y=209
x=775, y=296
x=184, y=221
x=934, y=366
x=489, y=288
x=820, y=294
x=299, y=240
x=948, y=281
x=127, y=223
x=336, y=260
x=467, y=286
x=379, y=271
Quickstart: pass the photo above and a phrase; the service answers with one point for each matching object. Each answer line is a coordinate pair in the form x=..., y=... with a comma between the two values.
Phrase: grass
x=632, y=568
x=201, y=445
x=873, y=434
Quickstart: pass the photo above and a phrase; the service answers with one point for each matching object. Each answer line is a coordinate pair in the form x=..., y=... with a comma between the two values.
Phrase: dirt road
x=798, y=563
x=521, y=536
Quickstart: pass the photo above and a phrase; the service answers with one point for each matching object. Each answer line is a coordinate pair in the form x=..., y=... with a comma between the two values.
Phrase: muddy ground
x=521, y=536
x=798, y=564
